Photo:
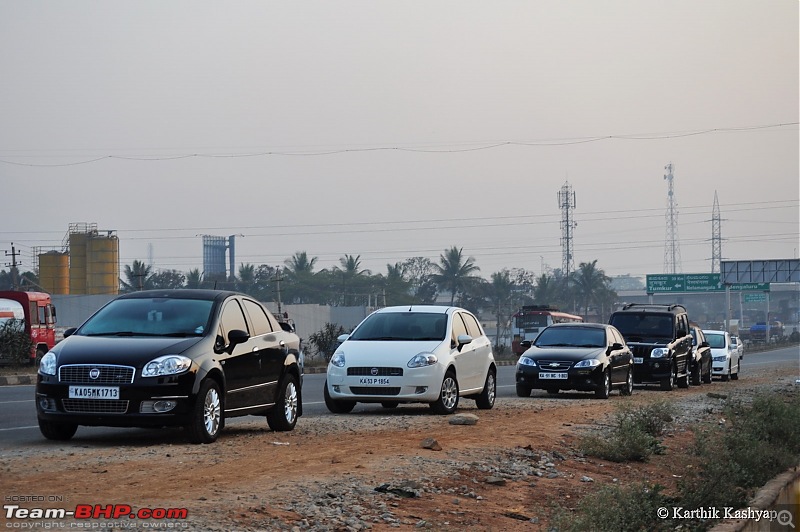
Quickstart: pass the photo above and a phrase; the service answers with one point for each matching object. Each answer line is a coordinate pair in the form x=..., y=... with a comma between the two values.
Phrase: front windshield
x=640, y=326
x=717, y=341
x=150, y=317
x=571, y=337
x=408, y=326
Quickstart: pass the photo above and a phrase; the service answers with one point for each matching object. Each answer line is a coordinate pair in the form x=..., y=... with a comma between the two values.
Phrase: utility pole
x=278, y=289
x=14, y=263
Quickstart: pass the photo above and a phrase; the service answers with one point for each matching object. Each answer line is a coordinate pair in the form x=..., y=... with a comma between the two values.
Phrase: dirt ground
x=507, y=472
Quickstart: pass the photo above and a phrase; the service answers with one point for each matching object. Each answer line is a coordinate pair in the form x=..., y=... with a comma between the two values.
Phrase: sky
x=389, y=130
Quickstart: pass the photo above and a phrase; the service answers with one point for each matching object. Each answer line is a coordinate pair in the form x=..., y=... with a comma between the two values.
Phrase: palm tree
x=300, y=277
x=138, y=275
x=454, y=273
x=247, y=278
x=350, y=272
x=396, y=289
x=194, y=279
x=590, y=284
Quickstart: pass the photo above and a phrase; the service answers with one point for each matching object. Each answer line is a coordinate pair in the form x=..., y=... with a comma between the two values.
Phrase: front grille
x=554, y=365
x=374, y=390
x=642, y=351
x=95, y=406
x=108, y=374
x=381, y=372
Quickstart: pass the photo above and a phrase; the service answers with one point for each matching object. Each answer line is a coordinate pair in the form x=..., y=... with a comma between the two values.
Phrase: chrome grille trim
x=381, y=372
x=109, y=374
x=560, y=365
x=95, y=406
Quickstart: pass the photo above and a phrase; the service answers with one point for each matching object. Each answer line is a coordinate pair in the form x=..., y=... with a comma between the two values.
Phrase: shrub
x=634, y=436
x=326, y=340
x=15, y=344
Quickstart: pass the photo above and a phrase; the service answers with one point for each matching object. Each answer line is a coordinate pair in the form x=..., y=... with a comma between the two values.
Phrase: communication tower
x=716, y=237
x=672, y=251
x=566, y=202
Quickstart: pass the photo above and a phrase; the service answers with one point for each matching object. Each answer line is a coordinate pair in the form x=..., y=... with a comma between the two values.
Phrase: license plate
x=638, y=360
x=94, y=392
x=374, y=381
x=553, y=376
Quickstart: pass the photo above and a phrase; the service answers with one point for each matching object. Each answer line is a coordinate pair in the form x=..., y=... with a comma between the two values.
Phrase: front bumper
x=416, y=385
x=652, y=370
x=581, y=379
x=134, y=406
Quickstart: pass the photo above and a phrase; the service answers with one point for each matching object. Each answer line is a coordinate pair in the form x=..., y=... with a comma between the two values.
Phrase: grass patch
x=634, y=435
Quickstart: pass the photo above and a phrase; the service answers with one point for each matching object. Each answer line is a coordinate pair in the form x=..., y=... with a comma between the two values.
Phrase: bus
x=527, y=323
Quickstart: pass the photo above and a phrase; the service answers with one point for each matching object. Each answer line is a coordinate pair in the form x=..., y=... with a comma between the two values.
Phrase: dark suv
x=155, y=358
x=660, y=340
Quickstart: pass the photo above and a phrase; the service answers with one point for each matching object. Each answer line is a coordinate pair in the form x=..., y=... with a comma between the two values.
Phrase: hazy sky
x=398, y=129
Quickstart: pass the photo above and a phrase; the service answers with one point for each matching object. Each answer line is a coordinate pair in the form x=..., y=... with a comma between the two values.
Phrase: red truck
x=38, y=314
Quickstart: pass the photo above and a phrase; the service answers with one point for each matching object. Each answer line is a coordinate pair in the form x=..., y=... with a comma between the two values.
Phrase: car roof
x=706, y=331
x=652, y=307
x=182, y=293
x=580, y=325
x=436, y=309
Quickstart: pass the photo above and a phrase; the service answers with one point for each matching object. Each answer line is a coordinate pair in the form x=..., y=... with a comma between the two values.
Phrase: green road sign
x=758, y=297
x=696, y=282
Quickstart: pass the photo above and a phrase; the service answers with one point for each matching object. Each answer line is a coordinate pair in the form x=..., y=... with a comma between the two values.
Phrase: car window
x=616, y=337
x=459, y=328
x=473, y=328
x=259, y=318
x=232, y=318
x=645, y=325
x=571, y=337
x=683, y=328
x=717, y=341
x=151, y=317
x=402, y=326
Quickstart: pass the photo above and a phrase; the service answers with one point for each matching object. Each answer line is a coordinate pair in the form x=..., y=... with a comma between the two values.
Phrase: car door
x=619, y=359
x=239, y=362
x=272, y=350
x=469, y=355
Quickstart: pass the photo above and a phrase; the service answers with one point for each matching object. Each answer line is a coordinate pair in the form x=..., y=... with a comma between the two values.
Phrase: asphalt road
x=18, y=426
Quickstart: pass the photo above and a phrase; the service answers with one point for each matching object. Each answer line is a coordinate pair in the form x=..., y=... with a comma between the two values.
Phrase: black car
x=576, y=356
x=659, y=337
x=158, y=358
x=701, y=357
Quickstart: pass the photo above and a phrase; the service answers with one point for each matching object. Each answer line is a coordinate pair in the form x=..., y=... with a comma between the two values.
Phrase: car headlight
x=659, y=352
x=166, y=365
x=337, y=360
x=592, y=362
x=721, y=358
x=526, y=361
x=47, y=366
x=422, y=359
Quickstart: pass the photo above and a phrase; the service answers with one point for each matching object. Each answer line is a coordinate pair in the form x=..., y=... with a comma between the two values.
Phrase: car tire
x=683, y=380
x=707, y=376
x=337, y=406
x=523, y=391
x=39, y=354
x=735, y=376
x=725, y=377
x=604, y=390
x=283, y=416
x=207, y=416
x=696, y=377
x=485, y=399
x=668, y=384
x=627, y=388
x=447, y=402
x=390, y=404
x=52, y=430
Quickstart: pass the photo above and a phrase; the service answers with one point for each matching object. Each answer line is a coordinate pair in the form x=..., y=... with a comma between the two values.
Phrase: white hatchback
x=725, y=360
x=413, y=354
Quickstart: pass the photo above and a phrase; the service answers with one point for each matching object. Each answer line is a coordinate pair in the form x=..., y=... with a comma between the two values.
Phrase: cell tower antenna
x=566, y=202
x=672, y=251
x=716, y=237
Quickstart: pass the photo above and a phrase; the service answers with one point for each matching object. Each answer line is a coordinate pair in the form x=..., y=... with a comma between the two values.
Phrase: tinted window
x=649, y=325
x=232, y=318
x=414, y=326
x=473, y=329
x=156, y=316
x=261, y=323
x=717, y=341
x=458, y=327
x=571, y=337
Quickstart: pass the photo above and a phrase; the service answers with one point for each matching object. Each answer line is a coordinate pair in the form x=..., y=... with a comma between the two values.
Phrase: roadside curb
x=17, y=379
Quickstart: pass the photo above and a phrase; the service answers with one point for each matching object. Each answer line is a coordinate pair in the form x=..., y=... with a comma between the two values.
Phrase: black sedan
x=576, y=356
x=172, y=358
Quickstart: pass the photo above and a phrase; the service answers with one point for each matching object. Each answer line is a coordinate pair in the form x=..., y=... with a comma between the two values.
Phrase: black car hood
x=128, y=350
x=563, y=353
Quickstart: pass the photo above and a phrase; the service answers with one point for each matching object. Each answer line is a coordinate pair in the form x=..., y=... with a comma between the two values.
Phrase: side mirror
x=525, y=344
x=342, y=337
x=286, y=327
x=237, y=336
x=462, y=340
x=616, y=346
x=705, y=344
x=69, y=332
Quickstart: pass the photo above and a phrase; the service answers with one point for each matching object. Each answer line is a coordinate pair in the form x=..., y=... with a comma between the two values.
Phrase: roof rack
x=645, y=306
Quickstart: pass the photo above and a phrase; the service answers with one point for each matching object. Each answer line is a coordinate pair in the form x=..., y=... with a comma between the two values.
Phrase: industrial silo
x=77, y=262
x=102, y=264
x=54, y=272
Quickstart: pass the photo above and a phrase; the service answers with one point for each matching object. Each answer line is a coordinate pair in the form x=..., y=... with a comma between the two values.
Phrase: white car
x=738, y=345
x=413, y=354
x=725, y=360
